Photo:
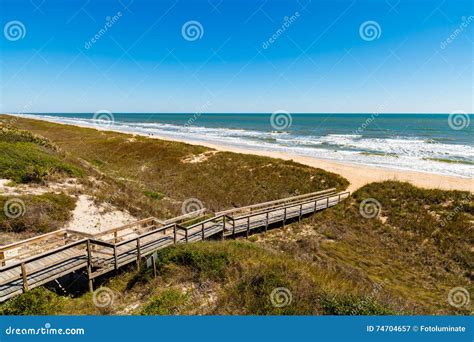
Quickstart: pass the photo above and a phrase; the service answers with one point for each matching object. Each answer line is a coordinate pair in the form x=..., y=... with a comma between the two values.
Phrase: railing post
x=284, y=218
x=315, y=205
x=202, y=231
x=89, y=266
x=186, y=235
x=223, y=227
x=2, y=259
x=139, y=253
x=266, y=223
x=248, y=226
x=115, y=258
x=233, y=228
x=25, y=277
x=115, y=237
x=327, y=204
x=174, y=233
x=301, y=212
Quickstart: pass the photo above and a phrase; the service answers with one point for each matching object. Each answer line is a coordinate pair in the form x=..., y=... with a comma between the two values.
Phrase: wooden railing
x=109, y=250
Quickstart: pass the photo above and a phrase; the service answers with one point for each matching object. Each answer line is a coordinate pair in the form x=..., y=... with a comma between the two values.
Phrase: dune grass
x=227, y=278
x=35, y=213
x=419, y=246
x=151, y=177
x=28, y=158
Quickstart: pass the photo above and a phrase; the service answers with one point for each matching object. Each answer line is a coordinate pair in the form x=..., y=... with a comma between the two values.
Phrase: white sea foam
x=404, y=153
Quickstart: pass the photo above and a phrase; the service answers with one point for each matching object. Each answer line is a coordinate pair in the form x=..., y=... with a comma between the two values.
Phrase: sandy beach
x=358, y=175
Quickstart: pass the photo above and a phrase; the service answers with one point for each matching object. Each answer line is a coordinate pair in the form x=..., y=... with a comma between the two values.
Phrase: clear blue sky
x=319, y=63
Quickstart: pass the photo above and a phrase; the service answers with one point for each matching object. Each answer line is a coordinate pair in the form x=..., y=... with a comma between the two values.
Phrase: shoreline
x=357, y=175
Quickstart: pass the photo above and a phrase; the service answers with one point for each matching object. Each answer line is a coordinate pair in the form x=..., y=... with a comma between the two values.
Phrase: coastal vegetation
x=403, y=256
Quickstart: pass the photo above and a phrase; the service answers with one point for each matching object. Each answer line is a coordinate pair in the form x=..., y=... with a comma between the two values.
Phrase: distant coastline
x=358, y=175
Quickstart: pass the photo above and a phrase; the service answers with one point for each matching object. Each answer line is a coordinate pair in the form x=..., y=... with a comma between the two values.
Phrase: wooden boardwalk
x=31, y=263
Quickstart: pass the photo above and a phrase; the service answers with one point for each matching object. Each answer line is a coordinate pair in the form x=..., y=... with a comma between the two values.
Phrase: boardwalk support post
x=25, y=277
x=266, y=223
x=139, y=253
x=202, y=231
x=174, y=233
x=248, y=226
x=89, y=266
x=284, y=218
x=301, y=212
x=115, y=258
x=153, y=261
x=223, y=227
x=2, y=259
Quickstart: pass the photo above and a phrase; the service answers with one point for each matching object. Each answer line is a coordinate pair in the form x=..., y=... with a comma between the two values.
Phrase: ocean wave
x=397, y=152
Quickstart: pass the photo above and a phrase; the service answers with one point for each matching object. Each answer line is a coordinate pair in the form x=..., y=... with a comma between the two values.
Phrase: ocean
x=433, y=143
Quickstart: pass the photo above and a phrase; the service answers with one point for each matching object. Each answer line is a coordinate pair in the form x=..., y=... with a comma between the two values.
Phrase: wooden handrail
x=45, y=254
x=288, y=205
x=35, y=238
x=312, y=194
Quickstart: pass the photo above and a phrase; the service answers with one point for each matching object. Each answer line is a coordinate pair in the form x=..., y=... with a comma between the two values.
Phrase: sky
x=340, y=56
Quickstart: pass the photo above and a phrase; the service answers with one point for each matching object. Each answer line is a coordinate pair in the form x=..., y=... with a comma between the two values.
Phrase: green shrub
x=206, y=262
x=167, y=302
x=351, y=305
x=36, y=213
x=39, y=301
x=154, y=195
x=25, y=162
